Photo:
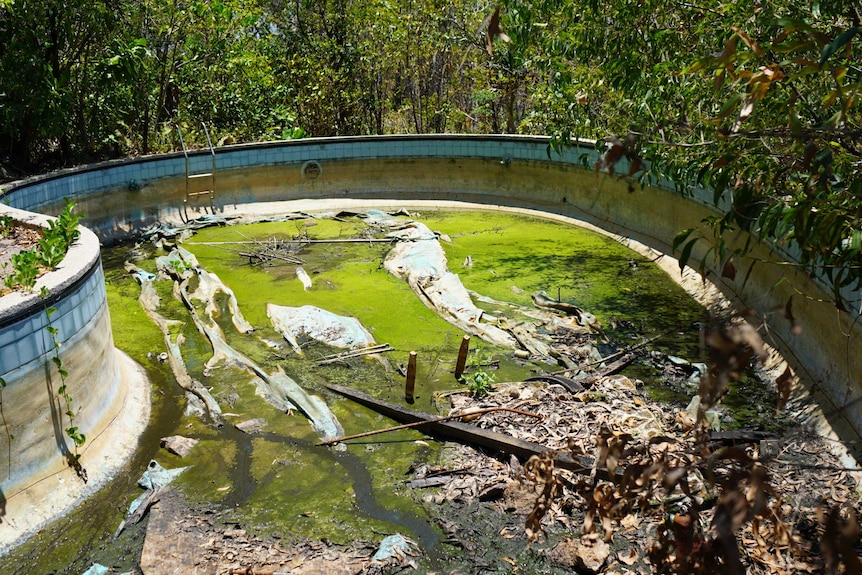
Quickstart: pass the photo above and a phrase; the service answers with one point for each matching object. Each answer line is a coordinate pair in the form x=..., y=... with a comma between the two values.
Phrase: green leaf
x=836, y=44
x=681, y=237
x=686, y=253
x=729, y=106
x=793, y=24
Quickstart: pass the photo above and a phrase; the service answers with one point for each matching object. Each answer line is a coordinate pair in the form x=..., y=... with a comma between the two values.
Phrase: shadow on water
x=244, y=483
x=361, y=480
x=427, y=536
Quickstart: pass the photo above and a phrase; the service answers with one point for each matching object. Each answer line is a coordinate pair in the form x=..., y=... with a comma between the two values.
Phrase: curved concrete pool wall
x=122, y=198
x=109, y=394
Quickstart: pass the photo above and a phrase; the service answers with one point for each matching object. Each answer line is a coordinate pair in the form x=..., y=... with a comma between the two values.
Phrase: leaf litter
x=667, y=494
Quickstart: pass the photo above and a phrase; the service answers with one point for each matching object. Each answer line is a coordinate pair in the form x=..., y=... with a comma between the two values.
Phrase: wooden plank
x=465, y=433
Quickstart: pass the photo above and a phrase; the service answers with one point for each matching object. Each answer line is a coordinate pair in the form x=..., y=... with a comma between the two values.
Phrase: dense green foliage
x=756, y=101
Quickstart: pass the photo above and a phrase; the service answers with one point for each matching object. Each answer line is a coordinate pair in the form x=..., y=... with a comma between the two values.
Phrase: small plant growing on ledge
x=28, y=265
x=480, y=381
x=5, y=225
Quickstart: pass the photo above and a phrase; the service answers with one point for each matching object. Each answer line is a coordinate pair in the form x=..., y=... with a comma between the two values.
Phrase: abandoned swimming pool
x=372, y=177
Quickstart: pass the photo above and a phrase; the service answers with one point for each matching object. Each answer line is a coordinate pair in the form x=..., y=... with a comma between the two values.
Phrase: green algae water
x=279, y=480
x=314, y=491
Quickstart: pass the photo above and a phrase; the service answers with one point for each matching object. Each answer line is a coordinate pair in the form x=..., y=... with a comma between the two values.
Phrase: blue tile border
x=25, y=339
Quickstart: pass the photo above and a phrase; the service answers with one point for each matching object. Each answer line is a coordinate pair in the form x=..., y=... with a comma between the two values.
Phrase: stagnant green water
x=279, y=481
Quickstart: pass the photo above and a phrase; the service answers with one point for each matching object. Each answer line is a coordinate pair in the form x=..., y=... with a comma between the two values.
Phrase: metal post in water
x=410, y=385
x=462, y=357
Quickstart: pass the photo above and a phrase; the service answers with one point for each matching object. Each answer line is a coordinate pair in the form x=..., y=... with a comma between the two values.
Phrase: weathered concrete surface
x=109, y=391
x=54, y=489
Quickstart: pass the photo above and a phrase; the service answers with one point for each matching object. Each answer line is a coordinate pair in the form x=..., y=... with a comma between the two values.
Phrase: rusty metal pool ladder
x=189, y=177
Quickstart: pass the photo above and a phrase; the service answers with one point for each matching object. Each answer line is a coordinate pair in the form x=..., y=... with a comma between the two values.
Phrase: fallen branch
x=471, y=434
x=619, y=353
x=269, y=255
x=379, y=348
x=571, y=385
x=464, y=416
x=610, y=369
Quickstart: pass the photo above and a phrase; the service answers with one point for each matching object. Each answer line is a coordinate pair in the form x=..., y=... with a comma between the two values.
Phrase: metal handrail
x=190, y=176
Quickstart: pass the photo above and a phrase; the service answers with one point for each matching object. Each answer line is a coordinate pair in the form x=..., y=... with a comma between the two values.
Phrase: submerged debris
x=276, y=388
x=150, y=302
x=276, y=249
x=394, y=547
x=541, y=300
x=251, y=425
x=303, y=277
x=153, y=481
x=178, y=445
x=99, y=569
x=313, y=322
x=419, y=259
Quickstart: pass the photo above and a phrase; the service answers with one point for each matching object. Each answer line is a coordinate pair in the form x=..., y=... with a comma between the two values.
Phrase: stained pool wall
x=109, y=394
x=122, y=198
x=32, y=416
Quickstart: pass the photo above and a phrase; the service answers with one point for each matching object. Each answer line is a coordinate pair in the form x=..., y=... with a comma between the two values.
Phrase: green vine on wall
x=6, y=427
x=78, y=438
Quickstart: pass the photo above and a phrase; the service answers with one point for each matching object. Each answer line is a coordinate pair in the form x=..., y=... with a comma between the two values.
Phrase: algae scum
x=277, y=479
